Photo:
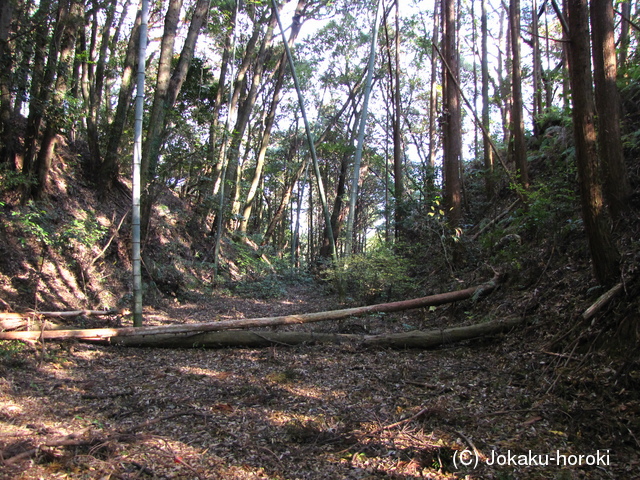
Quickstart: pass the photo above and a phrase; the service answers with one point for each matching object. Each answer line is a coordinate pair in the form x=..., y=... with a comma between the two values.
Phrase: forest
x=319, y=239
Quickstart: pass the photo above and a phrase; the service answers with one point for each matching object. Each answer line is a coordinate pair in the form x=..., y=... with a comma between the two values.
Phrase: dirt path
x=306, y=412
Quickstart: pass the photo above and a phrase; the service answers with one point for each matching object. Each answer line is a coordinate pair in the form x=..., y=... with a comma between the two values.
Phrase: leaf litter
x=310, y=412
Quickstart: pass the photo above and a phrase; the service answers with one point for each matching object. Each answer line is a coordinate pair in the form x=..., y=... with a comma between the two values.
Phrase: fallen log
x=252, y=339
x=106, y=333
x=602, y=300
x=72, y=313
x=13, y=321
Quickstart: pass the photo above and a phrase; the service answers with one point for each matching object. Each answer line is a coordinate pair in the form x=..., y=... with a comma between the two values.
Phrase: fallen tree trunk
x=602, y=300
x=13, y=321
x=72, y=313
x=252, y=339
x=105, y=333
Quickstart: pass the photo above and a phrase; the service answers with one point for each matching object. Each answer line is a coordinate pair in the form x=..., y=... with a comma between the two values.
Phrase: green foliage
x=377, y=276
x=35, y=223
x=548, y=206
x=12, y=353
x=87, y=232
x=12, y=180
x=268, y=287
x=39, y=224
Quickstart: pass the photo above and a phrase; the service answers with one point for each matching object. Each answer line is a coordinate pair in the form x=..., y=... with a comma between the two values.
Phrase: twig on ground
x=406, y=420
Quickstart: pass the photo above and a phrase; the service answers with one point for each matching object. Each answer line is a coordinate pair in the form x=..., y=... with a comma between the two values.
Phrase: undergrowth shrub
x=45, y=226
x=381, y=275
x=267, y=287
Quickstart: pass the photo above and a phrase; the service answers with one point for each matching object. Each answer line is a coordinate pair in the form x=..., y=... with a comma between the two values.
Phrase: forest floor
x=505, y=407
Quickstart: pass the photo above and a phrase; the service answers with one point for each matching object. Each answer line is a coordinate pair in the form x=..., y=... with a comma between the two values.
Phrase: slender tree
x=616, y=180
x=6, y=67
x=433, y=94
x=151, y=147
x=452, y=121
x=71, y=20
x=137, y=168
x=110, y=168
x=604, y=254
x=361, y=130
x=625, y=26
x=537, y=66
x=398, y=145
x=519, y=146
x=484, y=61
x=296, y=24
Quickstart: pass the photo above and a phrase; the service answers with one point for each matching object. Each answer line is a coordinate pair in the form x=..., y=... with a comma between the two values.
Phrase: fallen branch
x=602, y=301
x=32, y=320
x=13, y=321
x=75, y=313
x=494, y=221
x=249, y=339
x=103, y=334
x=73, y=439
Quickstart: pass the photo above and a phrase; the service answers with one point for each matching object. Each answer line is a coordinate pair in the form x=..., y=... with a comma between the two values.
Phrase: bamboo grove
x=458, y=89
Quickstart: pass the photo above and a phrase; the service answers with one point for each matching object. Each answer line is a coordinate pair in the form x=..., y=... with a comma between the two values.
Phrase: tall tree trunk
x=270, y=120
x=244, y=115
x=604, y=254
x=616, y=181
x=153, y=141
x=167, y=89
x=239, y=85
x=504, y=78
x=398, y=150
x=488, y=151
x=7, y=150
x=109, y=169
x=566, y=84
x=519, y=146
x=353, y=197
x=55, y=114
x=202, y=210
x=452, y=125
x=42, y=78
x=433, y=96
x=537, y=67
x=625, y=26
x=93, y=84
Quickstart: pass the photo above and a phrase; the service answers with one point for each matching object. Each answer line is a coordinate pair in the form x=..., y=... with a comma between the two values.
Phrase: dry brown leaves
x=310, y=412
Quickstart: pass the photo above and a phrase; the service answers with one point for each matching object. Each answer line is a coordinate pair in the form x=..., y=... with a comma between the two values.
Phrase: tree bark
x=433, y=99
x=625, y=26
x=488, y=152
x=109, y=169
x=452, y=128
x=604, y=255
x=105, y=333
x=71, y=21
x=42, y=78
x=616, y=181
x=156, y=118
x=270, y=119
x=251, y=339
x=519, y=146
x=7, y=149
x=398, y=144
x=244, y=115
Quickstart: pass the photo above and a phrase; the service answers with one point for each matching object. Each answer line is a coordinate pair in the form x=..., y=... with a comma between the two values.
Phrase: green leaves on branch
x=42, y=226
x=381, y=275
